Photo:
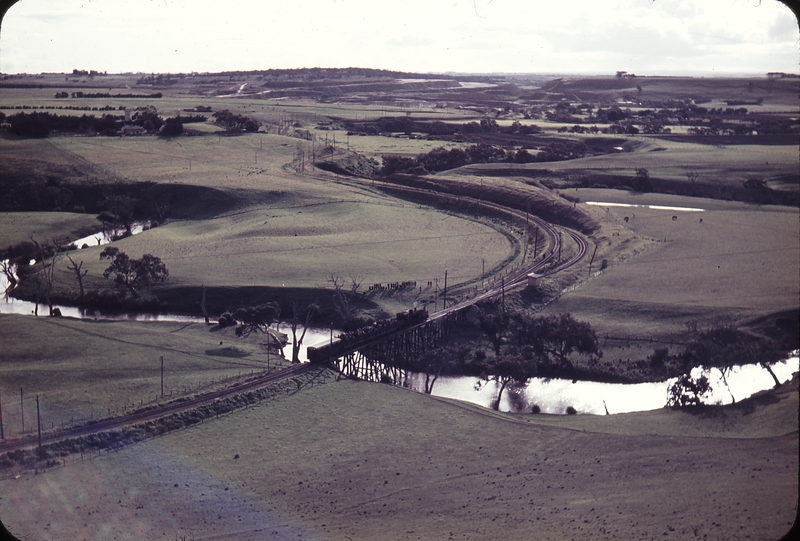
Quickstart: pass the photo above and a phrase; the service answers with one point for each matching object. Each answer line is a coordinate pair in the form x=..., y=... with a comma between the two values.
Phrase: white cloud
x=412, y=35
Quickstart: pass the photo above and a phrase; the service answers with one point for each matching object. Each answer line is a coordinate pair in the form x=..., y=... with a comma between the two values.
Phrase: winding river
x=551, y=395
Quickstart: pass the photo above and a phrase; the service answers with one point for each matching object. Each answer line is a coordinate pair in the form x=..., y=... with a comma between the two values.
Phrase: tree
x=438, y=361
x=258, y=319
x=692, y=175
x=724, y=346
x=311, y=309
x=79, y=275
x=172, y=127
x=641, y=181
x=343, y=297
x=688, y=391
x=119, y=213
x=507, y=370
x=553, y=339
x=47, y=256
x=134, y=273
x=493, y=321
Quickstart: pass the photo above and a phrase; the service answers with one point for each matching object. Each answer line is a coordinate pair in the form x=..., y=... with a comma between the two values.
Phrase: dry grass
x=741, y=261
x=83, y=369
x=44, y=226
x=350, y=460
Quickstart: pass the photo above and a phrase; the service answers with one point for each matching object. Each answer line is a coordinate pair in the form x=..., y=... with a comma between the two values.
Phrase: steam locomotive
x=353, y=339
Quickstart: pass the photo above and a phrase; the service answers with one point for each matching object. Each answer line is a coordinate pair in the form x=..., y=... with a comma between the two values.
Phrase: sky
x=646, y=37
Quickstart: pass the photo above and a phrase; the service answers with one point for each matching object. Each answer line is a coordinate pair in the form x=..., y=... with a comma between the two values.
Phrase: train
x=348, y=341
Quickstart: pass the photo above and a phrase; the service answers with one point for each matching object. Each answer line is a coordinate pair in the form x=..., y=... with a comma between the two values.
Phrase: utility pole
x=592, y=260
x=39, y=426
x=503, y=292
x=162, y=376
x=2, y=433
x=483, y=270
x=444, y=299
x=22, y=410
x=559, y=247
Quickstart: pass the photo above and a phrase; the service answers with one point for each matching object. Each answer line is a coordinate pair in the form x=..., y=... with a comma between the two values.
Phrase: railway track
x=511, y=281
x=105, y=425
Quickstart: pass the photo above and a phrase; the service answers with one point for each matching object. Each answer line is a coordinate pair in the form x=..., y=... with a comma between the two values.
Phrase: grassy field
x=349, y=460
x=269, y=226
x=85, y=369
x=671, y=160
x=44, y=226
x=740, y=261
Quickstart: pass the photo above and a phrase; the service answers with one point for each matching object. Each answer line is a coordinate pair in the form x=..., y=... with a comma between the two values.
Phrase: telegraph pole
x=162, y=376
x=444, y=300
x=559, y=246
x=22, y=410
x=39, y=426
x=2, y=433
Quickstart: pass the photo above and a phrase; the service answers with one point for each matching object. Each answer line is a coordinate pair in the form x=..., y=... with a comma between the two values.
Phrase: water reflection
x=556, y=395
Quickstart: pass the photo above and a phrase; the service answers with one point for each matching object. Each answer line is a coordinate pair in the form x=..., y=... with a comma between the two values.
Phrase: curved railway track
x=511, y=281
x=138, y=417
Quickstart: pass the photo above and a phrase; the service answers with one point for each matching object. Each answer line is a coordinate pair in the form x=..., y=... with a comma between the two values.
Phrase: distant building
x=132, y=130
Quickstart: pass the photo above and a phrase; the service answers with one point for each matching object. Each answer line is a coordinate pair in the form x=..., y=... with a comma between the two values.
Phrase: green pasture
x=741, y=261
x=82, y=368
x=44, y=226
x=284, y=230
x=671, y=160
x=300, y=245
x=782, y=92
x=361, y=461
x=179, y=97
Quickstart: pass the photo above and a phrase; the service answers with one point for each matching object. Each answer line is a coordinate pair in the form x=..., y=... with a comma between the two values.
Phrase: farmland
x=280, y=213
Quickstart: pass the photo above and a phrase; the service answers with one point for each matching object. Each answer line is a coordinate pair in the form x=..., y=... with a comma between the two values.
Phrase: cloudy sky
x=647, y=37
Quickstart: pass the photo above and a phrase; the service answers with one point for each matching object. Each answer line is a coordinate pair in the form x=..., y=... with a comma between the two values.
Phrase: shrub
x=226, y=320
x=536, y=409
x=571, y=411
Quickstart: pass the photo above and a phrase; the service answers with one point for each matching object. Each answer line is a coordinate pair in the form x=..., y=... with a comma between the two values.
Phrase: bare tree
x=343, y=295
x=692, y=175
x=8, y=269
x=203, y=304
x=79, y=274
x=47, y=257
x=311, y=309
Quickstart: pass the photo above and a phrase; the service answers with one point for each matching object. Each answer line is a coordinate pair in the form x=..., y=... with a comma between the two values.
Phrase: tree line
x=40, y=124
x=442, y=159
x=84, y=95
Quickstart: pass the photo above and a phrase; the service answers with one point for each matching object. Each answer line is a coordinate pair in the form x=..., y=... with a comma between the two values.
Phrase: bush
x=536, y=409
x=571, y=411
x=226, y=320
x=659, y=357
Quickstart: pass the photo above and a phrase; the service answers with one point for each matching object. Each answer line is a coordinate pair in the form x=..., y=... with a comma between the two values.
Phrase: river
x=556, y=395
x=552, y=396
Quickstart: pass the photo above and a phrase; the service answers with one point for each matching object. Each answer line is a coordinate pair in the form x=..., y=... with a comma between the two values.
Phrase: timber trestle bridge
x=387, y=351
